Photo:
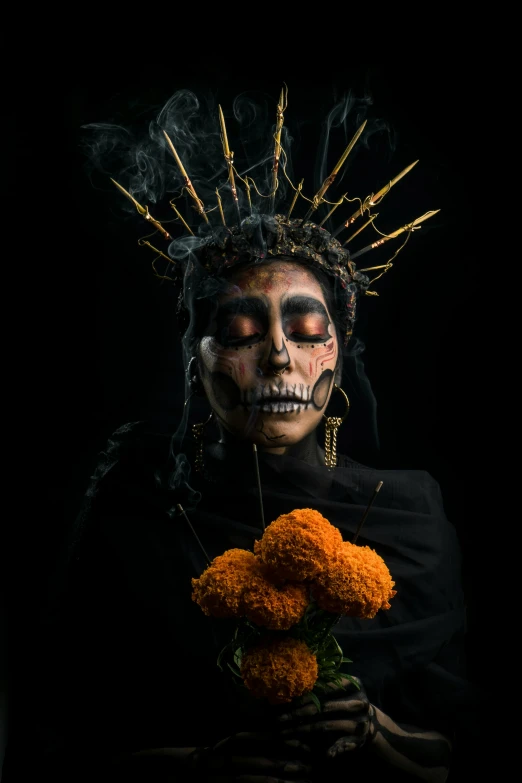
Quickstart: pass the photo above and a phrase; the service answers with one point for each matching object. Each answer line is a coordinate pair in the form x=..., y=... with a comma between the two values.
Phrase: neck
x=307, y=450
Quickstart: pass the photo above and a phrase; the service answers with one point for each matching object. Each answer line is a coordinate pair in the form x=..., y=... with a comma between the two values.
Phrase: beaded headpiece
x=259, y=236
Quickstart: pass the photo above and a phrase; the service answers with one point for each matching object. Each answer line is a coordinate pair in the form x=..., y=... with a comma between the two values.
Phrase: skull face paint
x=268, y=360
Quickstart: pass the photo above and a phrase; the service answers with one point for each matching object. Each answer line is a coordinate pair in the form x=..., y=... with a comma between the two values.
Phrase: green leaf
x=234, y=671
x=322, y=686
x=222, y=655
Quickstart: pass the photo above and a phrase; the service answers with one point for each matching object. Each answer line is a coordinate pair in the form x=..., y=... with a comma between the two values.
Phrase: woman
x=267, y=310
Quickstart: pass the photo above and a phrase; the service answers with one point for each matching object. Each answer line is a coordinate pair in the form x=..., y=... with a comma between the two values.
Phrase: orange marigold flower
x=279, y=670
x=356, y=583
x=276, y=608
x=219, y=590
x=298, y=545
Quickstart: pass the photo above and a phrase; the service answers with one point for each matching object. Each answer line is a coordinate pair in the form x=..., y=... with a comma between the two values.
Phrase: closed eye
x=310, y=327
x=240, y=330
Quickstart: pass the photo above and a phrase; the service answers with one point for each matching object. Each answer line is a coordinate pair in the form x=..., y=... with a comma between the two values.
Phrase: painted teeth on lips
x=281, y=406
x=276, y=394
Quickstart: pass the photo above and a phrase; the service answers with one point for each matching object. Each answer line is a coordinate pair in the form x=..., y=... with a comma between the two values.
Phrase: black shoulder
x=415, y=490
x=128, y=470
x=133, y=445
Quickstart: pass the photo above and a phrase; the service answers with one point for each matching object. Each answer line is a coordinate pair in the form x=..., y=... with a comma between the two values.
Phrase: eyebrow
x=248, y=305
x=253, y=305
x=302, y=305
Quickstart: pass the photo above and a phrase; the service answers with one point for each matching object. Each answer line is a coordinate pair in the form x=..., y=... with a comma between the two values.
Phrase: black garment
x=131, y=659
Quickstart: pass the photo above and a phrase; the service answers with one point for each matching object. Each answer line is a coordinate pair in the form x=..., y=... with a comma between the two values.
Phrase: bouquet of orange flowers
x=287, y=596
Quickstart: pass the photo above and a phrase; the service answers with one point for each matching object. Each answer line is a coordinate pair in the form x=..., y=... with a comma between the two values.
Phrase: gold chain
x=332, y=424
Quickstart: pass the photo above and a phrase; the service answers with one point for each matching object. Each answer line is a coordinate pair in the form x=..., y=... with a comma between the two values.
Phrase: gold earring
x=332, y=424
x=197, y=431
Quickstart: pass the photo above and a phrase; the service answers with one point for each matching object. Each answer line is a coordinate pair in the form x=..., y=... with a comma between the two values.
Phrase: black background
x=106, y=327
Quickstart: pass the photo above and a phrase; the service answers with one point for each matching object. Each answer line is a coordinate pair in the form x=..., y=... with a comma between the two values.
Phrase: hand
x=249, y=757
x=346, y=722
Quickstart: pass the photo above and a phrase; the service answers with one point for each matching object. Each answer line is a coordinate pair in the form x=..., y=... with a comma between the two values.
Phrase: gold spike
x=373, y=268
x=229, y=157
x=361, y=229
x=412, y=226
x=220, y=205
x=247, y=186
x=297, y=192
x=159, y=253
x=386, y=188
x=142, y=242
x=178, y=213
x=408, y=227
x=188, y=184
x=380, y=194
x=143, y=211
x=224, y=136
x=281, y=106
x=334, y=208
x=328, y=181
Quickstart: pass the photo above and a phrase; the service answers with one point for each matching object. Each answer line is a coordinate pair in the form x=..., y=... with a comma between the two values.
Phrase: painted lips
x=291, y=397
x=282, y=406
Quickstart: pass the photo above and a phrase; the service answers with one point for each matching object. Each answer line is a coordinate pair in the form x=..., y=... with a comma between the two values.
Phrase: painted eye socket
x=307, y=326
x=241, y=328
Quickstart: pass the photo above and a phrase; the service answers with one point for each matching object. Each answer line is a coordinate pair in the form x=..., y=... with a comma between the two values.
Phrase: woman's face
x=269, y=358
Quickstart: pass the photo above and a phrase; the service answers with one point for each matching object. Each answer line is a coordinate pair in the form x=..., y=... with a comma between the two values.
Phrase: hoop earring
x=194, y=381
x=197, y=431
x=332, y=424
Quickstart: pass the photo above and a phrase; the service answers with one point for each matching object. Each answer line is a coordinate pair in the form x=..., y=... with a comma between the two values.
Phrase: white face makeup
x=268, y=362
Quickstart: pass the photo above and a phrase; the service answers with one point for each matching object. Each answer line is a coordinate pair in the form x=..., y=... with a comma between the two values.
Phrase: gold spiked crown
x=262, y=234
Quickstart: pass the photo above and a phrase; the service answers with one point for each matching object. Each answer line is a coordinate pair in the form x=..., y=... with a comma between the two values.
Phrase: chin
x=277, y=429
